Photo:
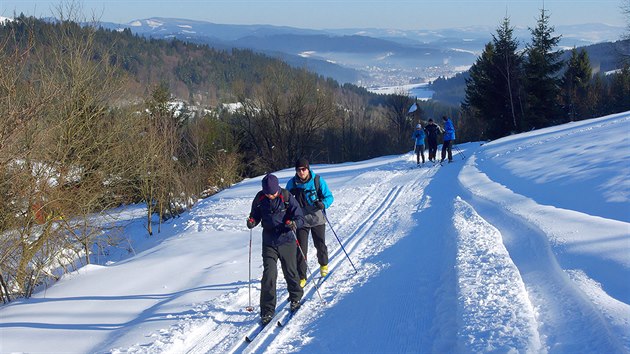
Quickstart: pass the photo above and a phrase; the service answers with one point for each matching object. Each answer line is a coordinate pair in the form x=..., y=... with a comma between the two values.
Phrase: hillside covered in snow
x=520, y=245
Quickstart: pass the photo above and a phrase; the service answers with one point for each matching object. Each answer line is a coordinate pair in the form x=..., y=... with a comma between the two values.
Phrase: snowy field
x=419, y=91
x=523, y=245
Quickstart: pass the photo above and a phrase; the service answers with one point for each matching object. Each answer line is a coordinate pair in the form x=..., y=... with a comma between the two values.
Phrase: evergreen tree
x=620, y=90
x=493, y=89
x=508, y=64
x=599, y=94
x=541, y=68
x=479, y=102
x=625, y=8
x=575, y=87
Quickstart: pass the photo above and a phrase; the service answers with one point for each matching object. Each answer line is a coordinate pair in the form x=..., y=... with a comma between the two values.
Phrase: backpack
x=318, y=188
x=284, y=195
x=300, y=195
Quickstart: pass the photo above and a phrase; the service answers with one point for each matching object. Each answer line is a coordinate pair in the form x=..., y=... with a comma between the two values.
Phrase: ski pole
x=338, y=240
x=459, y=151
x=414, y=150
x=250, y=308
x=297, y=242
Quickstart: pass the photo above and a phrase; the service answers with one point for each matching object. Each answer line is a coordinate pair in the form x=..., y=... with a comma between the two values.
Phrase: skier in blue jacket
x=313, y=195
x=419, y=136
x=449, y=138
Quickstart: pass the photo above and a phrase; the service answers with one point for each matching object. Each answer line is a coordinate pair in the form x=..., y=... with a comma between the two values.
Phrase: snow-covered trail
x=470, y=275
x=442, y=267
x=487, y=254
x=364, y=205
x=366, y=198
x=564, y=318
x=573, y=313
x=560, y=316
x=396, y=315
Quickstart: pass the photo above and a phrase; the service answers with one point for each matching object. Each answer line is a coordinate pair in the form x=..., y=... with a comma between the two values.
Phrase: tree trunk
x=4, y=290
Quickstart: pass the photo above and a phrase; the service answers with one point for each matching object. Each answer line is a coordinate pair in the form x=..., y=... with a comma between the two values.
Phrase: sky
x=322, y=14
x=520, y=245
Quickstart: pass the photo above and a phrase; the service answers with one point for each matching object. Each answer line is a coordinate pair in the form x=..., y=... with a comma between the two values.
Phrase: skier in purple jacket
x=280, y=215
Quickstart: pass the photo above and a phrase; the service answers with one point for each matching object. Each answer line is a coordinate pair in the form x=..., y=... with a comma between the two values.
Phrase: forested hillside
x=95, y=119
x=195, y=73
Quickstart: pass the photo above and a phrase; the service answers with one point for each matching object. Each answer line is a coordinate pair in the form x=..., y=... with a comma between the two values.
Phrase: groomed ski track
x=458, y=273
x=359, y=230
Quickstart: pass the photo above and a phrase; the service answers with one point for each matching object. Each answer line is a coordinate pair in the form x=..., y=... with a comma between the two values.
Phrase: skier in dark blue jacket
x=280, y=215
x=432, y=131
x=313, y=195
x=449, y=138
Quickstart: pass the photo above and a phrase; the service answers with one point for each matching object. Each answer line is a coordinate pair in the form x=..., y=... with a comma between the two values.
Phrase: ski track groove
x=209, y=342
x=559, y=301
x=336, y=257
x=563, y=312
x=354, y=246
x=225, y=333
x=217, y=340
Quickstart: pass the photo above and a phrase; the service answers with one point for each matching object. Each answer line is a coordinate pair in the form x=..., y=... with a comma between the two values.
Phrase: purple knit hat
x=270, y=184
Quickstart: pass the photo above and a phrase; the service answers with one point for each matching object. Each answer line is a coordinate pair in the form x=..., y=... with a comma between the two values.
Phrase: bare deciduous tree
x=57, y=158
x=284, y=118
x=397, y=112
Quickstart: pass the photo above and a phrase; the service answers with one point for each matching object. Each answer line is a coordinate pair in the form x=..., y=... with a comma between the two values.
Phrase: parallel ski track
x=353, y=243
x=550, y=290
x=218, y=338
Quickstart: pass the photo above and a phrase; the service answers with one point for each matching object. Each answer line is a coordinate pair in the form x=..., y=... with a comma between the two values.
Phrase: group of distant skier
x=289, y=214
x=430, y=133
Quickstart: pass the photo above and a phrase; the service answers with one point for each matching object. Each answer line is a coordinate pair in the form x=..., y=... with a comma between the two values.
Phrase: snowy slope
x=523, y=245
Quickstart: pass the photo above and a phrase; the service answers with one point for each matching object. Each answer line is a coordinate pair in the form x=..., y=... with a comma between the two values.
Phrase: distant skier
x=280, y=215
x=432, y=131
x=449, y=138
x=419, y=136
x=313, y=195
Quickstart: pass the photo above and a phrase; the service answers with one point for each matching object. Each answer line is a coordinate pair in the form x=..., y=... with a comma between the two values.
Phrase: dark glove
x=291, y=225
x=319, y=205
x=251, y=223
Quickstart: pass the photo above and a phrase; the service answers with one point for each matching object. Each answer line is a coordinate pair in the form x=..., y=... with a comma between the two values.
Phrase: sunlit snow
x=520, y=245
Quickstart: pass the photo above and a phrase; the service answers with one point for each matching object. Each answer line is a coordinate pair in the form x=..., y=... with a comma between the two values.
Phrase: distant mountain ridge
x=590, y=33
x=364, y=56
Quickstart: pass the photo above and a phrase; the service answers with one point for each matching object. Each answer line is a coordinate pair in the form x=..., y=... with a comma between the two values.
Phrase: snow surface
x=523, y=245
x=419, y=91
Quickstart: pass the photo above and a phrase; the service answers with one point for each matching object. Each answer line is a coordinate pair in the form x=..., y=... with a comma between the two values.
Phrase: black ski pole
x=250, y=308
x=338, y=240
x=414, y=149
x=308, y=269
x=460, y=152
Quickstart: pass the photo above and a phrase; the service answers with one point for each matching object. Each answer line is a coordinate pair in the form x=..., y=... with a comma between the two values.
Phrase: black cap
x=301, y=162
x=270, y=184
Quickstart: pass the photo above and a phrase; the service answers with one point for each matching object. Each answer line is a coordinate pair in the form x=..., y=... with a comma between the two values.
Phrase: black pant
x=419, y=151
x=432, y=150
x=286, y=254
x=447, y=146
x=319, y=240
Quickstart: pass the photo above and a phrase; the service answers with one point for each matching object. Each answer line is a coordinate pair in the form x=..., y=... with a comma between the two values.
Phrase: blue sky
x=320, y=14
